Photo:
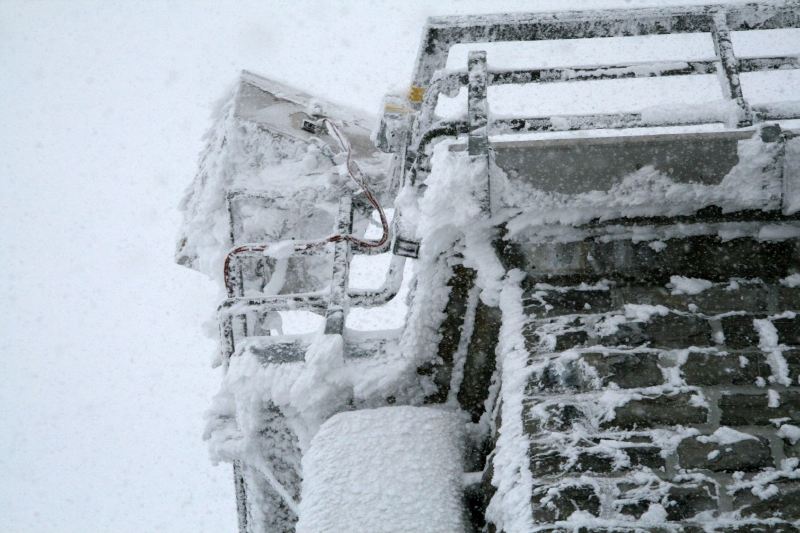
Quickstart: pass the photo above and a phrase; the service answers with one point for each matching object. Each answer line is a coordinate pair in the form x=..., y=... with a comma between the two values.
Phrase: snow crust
x=768, y=342
x=509, y=508
x=307, y=392
x=791, y=281
x=387, y=470
x=725, y=435
x=789, y=432
x=684, y=285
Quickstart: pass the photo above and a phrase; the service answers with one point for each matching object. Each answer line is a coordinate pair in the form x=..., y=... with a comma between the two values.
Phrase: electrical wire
x=358, y=177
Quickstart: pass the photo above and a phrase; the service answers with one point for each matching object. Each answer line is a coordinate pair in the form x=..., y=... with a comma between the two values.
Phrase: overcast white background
x=104, y=367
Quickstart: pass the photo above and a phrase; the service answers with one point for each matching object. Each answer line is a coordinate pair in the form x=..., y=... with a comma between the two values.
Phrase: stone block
x=788, y=330
x=635, y=509
x=553, y=378
x=558, y=417
x=784, y=504
x=627, y=334
x=755, y=527
x=685, y=501
x=548, y=508
x=745, y=455
x=678, y=331
x=669, y=331
x=544, y=461
x=648, y=456
x=709, y=368
x=661, y=410
x=788, y=297
x=568, y=302
x=547, y=461
x=739, y=331
x=792, y=357
x=627, y=370
x=571, y=339
x=753, y=409
x=752, y=298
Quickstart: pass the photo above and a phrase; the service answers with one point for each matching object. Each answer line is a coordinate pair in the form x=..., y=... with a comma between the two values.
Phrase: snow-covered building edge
x=627, y=365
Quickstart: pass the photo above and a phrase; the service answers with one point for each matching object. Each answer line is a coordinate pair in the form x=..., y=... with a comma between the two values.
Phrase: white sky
x=104, y=368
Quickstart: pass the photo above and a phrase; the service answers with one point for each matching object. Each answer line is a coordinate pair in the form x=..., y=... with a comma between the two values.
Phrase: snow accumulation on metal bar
x=651, y=69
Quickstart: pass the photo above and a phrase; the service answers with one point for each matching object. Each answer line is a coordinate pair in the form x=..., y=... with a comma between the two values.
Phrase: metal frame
x=237, y=311
x=239, y=315
x=432, y=79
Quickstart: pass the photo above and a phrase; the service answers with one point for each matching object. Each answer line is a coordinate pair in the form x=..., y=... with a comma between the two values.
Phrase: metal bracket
x=406, y=248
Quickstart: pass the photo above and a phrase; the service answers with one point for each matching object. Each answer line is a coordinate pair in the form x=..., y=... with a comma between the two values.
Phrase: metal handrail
x=431, y=79
x=446, y=81
x=441, y=33
x=234, y=310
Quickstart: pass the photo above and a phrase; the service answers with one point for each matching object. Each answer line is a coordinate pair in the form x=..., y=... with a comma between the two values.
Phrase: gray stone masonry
x=641, y=402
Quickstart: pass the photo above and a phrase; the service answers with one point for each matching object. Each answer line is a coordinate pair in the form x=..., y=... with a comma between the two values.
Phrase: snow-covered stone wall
x=671, y=402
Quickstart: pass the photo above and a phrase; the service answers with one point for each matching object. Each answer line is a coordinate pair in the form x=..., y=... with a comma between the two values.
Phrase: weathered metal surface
x=578, y=165
x=282, y=109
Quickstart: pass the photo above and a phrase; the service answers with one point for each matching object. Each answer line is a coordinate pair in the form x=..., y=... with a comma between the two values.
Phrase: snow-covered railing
x=240, y=314
x=448, y=81
x=431, y=79
x=416, y=121
x=441, y=33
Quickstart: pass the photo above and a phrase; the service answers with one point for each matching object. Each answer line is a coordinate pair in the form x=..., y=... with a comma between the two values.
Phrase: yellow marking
x=415, y=94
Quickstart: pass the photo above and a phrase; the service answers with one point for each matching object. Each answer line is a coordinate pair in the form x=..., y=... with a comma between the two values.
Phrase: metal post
x=478, y=116
x=727, y=68
x=334, y=317
x=241, y=496
x=477, y=105
x=227, y=339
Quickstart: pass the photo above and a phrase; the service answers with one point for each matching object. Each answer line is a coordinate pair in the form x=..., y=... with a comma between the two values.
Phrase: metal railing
x=240, y=315
x=431, y=79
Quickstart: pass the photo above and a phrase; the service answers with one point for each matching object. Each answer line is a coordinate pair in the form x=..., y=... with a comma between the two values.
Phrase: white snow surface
x=790, y=432
x=791, y=281
x=387, y=470
x=509, y=508
x=684, y=285
x=725, y=435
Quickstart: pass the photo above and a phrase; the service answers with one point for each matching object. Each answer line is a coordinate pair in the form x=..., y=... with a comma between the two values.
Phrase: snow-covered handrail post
x=478, y=115
x=335, y=315
x=727, y=68
x=477, y=106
